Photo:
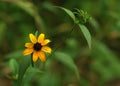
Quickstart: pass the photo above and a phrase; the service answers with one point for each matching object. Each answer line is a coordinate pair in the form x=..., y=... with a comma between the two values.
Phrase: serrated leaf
x=67, y=61
x=70, y=13
x=86, y=34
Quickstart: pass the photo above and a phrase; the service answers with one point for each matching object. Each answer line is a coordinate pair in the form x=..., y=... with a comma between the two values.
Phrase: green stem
x=65, y=38
x=32, y=60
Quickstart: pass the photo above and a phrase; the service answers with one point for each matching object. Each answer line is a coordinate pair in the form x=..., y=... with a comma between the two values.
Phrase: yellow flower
x=37, y=47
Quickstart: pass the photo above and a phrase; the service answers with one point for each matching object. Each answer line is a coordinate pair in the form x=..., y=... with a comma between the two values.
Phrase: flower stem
x=32, y=63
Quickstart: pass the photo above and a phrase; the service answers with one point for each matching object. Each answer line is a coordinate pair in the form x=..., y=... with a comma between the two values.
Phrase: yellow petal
x=41, y=38
x=29, y=45
x=46, y=49
x=45, y=42
x=35, y=56
x=42, y=56
x=27, y=51
x=32, y=38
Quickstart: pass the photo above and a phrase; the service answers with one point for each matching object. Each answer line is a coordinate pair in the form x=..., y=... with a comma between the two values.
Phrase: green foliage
x=86, y=33
x=67, y=61
x=15, y=54
x=70, y=13
x=14, y=68
x=106, y=63
x=49, y=79
x=82, y=17
x=25, y=63
x=72, y=62
x=2, y=30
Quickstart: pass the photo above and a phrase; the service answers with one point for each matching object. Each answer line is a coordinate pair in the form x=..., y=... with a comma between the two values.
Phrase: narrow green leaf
x=50, y=79
x=104, y=54
x=27, y=6
x=86, y=33
x=32, y=73
x=67, y=61
x=70, y=13
x=31, y=9
x=14, y=66
x=2, y=31
x=36, y=33
x=15, y=54
x=94, y=23
x=102, y=70
x=34, y=70
x=25, y=63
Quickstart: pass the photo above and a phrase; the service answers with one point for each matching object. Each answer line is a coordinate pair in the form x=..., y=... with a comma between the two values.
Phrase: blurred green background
x=73, y=63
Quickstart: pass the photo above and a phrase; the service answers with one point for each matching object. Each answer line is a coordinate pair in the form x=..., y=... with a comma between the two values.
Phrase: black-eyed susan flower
x=38, y=47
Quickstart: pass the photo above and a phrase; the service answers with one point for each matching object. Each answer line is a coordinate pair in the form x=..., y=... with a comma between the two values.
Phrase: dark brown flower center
x=37, y=46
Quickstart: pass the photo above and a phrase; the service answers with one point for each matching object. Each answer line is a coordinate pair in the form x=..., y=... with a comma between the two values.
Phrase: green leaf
x=2, y=31
x=50, y=79
x=102, y=70
x=27, y=6
x=94, y=23
x=25, y=63
x=70, y=13
x=104, y=54
x=34, y=70
x=31, y=9
x=14, y=66
x=86, y=33
x=36, y=33
x=31, y=74
x=15, y=54
x=67, y=61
